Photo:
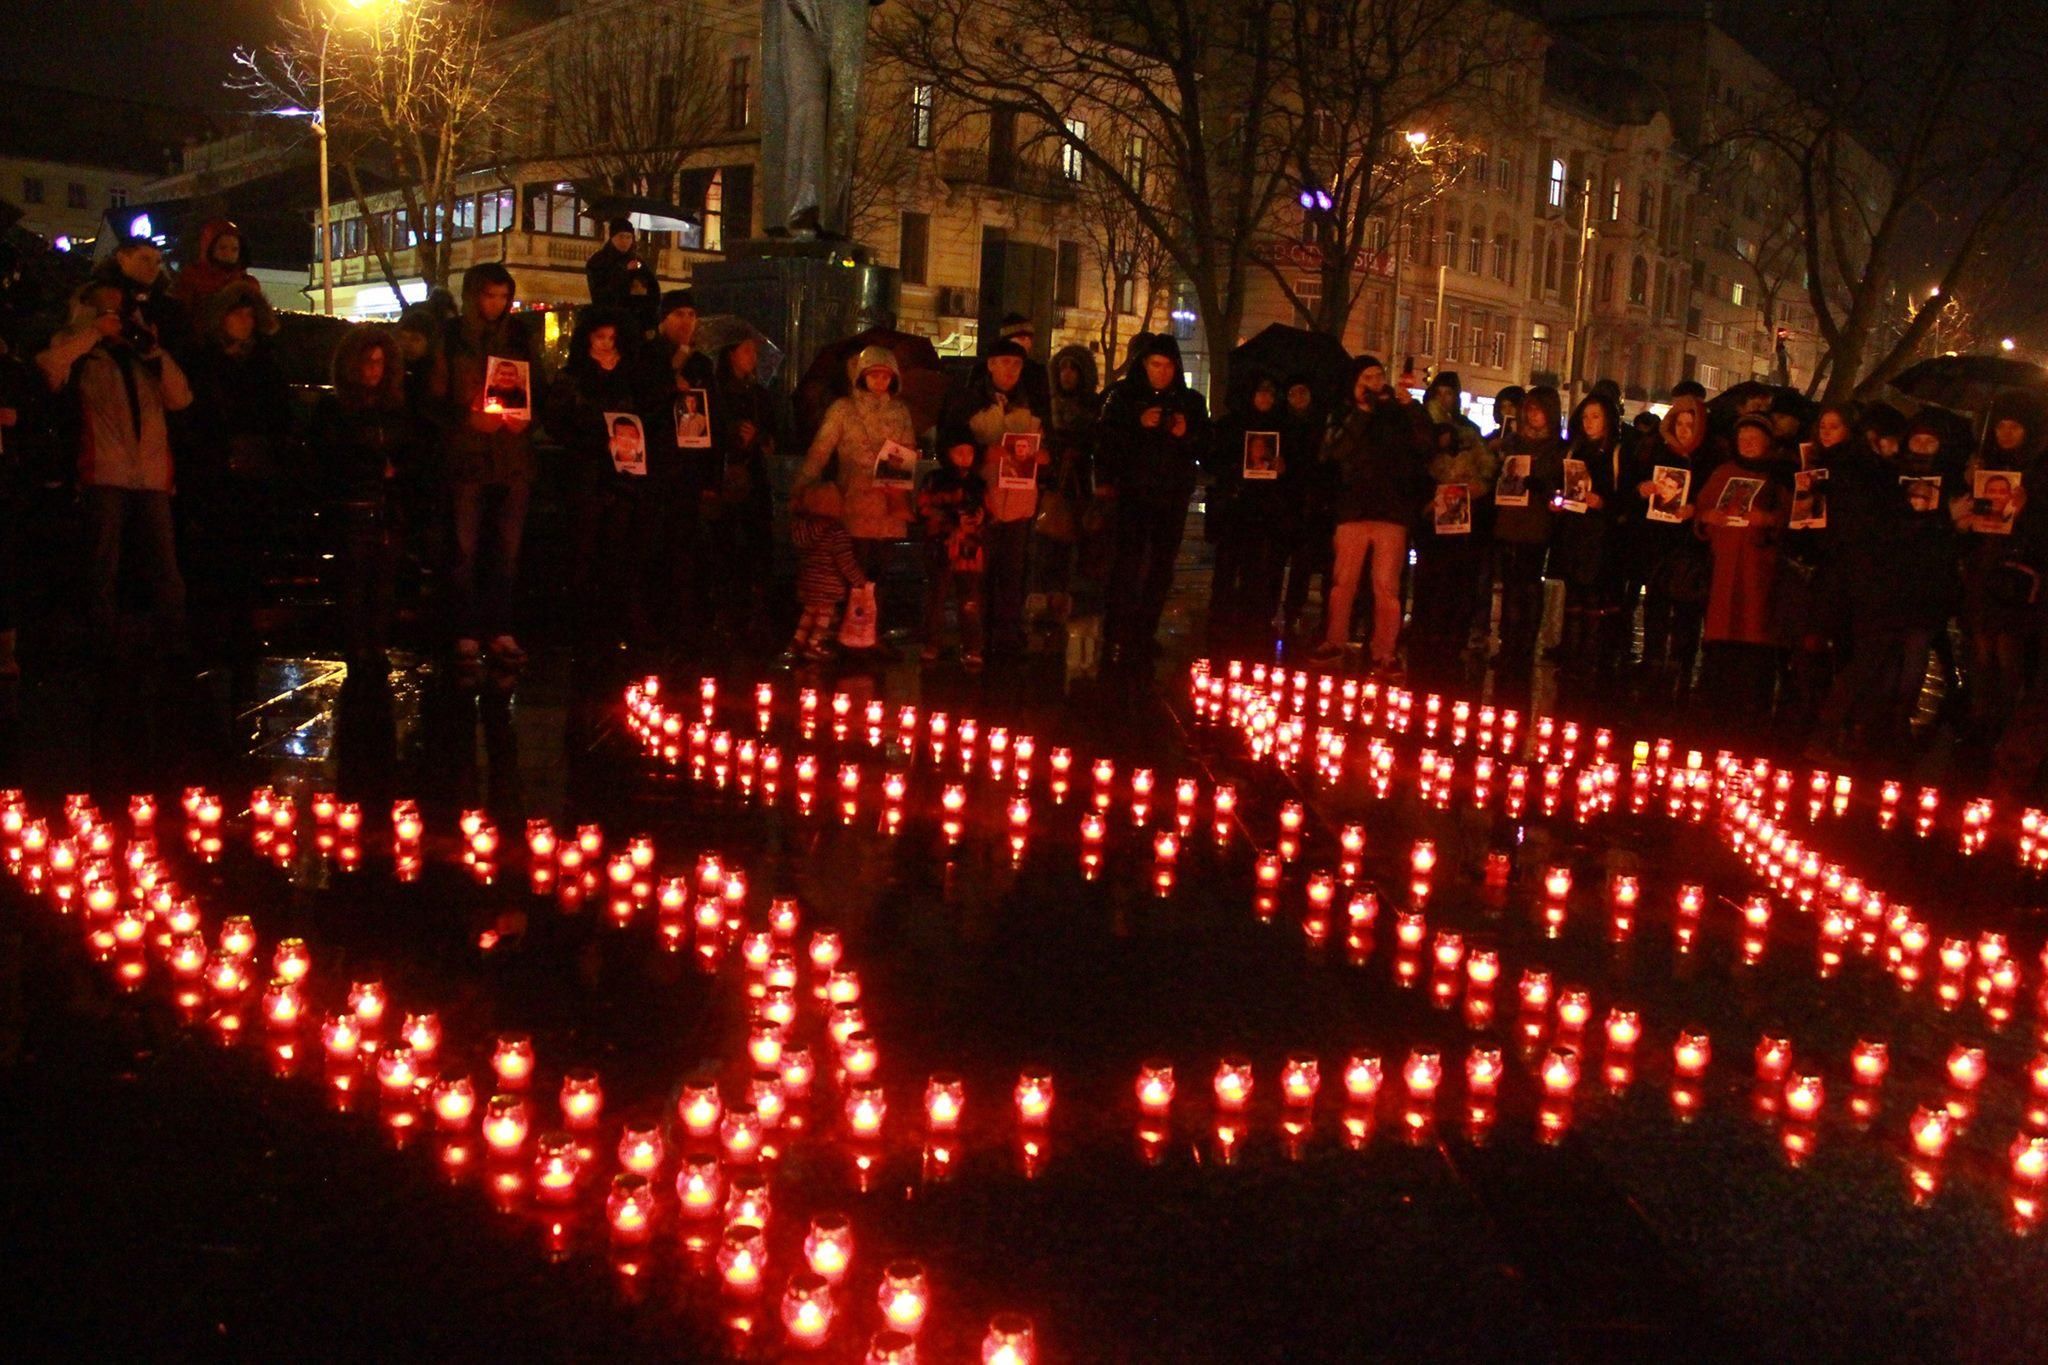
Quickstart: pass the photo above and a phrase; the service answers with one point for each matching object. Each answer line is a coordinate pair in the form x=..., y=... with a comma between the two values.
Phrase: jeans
x=134, y=525
x=1008, y=545
x=482, y=579
x=1385, y=544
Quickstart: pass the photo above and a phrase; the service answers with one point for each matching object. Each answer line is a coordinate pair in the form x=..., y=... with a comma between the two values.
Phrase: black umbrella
x=1723, y=407
x=1282, y=353
x=1969, y=383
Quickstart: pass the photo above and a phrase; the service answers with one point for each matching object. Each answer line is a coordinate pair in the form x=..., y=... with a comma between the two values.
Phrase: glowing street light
x=320, y=136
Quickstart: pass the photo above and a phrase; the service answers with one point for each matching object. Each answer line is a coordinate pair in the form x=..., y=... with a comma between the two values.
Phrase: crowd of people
x=1746, y=559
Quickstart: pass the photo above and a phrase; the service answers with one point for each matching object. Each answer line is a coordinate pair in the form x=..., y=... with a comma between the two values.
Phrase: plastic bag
x=857, y=631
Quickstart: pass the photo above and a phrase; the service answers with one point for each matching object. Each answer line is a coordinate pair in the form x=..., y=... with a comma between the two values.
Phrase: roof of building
x=47, y=124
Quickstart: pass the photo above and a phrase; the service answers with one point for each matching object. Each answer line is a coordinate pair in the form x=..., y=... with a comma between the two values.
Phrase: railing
x=978, y=166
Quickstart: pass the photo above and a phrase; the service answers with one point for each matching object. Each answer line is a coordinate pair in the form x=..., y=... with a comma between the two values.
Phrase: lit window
x=1073, y=161
x=1555, y=193
x=923, y=99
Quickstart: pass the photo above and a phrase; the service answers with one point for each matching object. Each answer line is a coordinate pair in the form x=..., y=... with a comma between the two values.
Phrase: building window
x=1639, y=281
x=1127, y=285
x=352, y=236
x=1073, y=161
x=1504, y=172
x=1607, y=278
x=1667, y=221
x=1454, y=322
x=1554, y=192
x=74, y=196
x=1475, y=250
x=494, y=212
x=923, y=104
x=1480, y=165
x=1136, y=168
x=1539, y=346
x=1708, y=375
x=31, y=189
x=739, y=93
x=1066, y=276
x=1737, y=292
x=1499, y=358
x=1501, y=244
x=1426, y=325
x=1614, y=202
x=1646, y=206
x=1550, y=274
x=913, y=256
x=1475, y=338
x=463, y=223
x=558, y=209
x=117, y=199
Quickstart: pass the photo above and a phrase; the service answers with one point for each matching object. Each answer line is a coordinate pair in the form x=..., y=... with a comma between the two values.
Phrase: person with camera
x=123, y=385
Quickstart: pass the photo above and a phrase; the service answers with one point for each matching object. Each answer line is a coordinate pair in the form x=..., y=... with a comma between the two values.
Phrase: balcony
x=1013, y=174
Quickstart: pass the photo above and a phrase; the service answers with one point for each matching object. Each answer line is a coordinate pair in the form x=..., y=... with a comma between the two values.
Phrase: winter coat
x=574, y=416
x=1586, y=546
x=1252, y=508
x=1379, y=454
x=1071, y=430
x=360, y=449
x=483, y=447
x=1740, y=607
x=1308, y=486
x=120, y=404
x=241, y=413
x=825, y=566
x=742, y=486
x=1668, y=557
x=990, y=415
x=154, y=302
x=1899, y=561
x=853, y=432
x=200, y=278
x=1151, y=467
x=610, y=273
x=1988, y=605
x=1470, y=461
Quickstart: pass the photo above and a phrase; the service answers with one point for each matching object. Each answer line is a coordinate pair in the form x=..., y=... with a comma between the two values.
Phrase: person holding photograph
x=995, y=402
x=952, y=509
x=1671, y=562
x=1590, y=551
x=853, y=432
x=489, y=466
x=1246, y=521
x=1521, y=534
x=1812, y=608
x=1451, y=565
x=2001, y=628
x=1308, y=492
x=1742, y=641
x=1153, y=435
x=693, y=423
x=1899, y=562
x=613, y=513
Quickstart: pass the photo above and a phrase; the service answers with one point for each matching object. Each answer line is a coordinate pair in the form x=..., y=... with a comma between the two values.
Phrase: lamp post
x=320, y=137
x=1416, y=140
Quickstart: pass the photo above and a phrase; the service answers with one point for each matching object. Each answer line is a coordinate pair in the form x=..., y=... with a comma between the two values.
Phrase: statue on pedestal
x=812, y=56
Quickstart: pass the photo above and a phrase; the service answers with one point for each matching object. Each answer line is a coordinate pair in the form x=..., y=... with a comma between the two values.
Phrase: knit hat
x=1006, y=347
x=1367, y=362
x=1015, y=325
x=678, y=298
x=1761, y=423
x=618, y=225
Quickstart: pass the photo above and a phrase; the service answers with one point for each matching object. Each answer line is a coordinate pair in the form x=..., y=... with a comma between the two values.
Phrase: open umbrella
x=1282, y=353
x=721, y=330
x=1723, y=407
x=649, y=215
x=924, y=380
x=1969, y=383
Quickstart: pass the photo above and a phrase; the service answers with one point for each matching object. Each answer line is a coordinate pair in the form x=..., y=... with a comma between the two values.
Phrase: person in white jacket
x=108, y=360
x=854, y=430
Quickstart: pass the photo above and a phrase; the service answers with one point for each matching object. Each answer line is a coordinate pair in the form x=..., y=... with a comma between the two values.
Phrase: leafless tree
x=414, y=92
x=636, y=91
x=1128, y=259
x=1195, y=82
x=1393, y=92
x=1944, y=102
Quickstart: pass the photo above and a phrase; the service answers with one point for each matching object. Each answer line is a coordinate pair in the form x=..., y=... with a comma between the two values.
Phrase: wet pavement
x=172, y=1198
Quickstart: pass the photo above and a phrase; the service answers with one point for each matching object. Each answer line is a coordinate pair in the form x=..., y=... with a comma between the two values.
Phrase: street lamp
x=320, y=136
x=2006, y=344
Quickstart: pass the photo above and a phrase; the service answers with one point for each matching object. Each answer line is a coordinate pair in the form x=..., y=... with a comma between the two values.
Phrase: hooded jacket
x=1586, y=549
x=852, y=432
x=201, y=277
x=743, y=465
x=991, y=414
x=1071, y=432
x=483, y=447
x=1666, y=554
x=1151, y=466
x=1531, y=525
x=1252, y=507
x=241, y=411
x=1986, y=553
x=121, y=402
x=364, y=439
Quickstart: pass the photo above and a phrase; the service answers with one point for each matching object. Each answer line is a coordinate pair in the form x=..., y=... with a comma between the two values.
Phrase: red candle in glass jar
x=454, y=1101
x=1300, y=1079
x=905, y=1296
x=828, y=1246
x=866, y=1107
x=582, y=1099
x=505, y=1123
x=513, y=1060
x=945, y=1099
x=1034, y=1096
x=1155, y=1087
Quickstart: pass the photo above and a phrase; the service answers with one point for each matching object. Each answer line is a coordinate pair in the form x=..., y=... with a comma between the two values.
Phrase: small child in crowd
x=826, y=568
x=951, y=506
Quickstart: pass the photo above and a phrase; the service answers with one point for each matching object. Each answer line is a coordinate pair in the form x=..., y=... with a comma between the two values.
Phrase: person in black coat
x=1248, y=516
x=1588, y=551
x=364, y=441
x=620, y=279
x=1154, y=432
x=747, y=426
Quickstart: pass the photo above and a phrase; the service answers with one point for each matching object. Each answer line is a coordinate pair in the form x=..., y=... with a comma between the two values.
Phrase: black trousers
x=1148, y=536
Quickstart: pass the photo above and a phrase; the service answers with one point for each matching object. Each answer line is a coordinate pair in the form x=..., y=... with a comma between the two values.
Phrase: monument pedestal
x=801, y=293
